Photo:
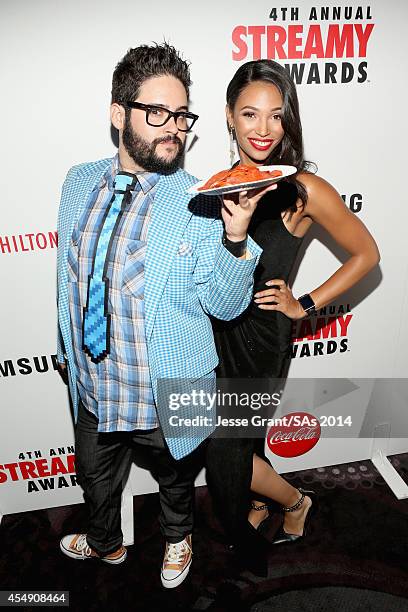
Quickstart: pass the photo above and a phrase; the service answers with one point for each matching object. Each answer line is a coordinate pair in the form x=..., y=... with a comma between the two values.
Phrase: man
x=141, y=265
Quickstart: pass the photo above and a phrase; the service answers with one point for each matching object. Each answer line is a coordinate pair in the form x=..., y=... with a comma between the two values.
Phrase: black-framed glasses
x=158, y=116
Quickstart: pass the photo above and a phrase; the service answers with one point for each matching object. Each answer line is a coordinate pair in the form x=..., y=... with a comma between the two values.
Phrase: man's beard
x=144, y=155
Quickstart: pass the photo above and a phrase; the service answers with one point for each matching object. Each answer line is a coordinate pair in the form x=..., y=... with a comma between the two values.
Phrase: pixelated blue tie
x=96, y=323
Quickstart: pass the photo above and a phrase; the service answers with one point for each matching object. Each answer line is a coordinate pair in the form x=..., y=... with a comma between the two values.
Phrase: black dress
x=254, y=345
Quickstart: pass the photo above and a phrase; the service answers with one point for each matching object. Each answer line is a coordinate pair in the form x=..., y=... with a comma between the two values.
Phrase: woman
x=263, y=116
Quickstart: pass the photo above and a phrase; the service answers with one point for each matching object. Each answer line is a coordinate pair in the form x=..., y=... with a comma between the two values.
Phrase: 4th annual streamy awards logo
x=54, y=471
x=325, y=333
x=317, y=45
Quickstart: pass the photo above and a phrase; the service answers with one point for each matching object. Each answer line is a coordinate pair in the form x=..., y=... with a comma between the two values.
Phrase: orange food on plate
x=240, y=174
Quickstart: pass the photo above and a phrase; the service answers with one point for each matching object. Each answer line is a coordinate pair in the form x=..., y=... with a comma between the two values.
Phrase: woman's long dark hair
x=290, y=149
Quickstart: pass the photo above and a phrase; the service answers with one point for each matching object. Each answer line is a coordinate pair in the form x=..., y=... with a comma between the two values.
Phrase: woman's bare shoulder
x=315, y=185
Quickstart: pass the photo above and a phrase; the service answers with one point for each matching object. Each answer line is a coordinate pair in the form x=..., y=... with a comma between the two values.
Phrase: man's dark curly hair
x=144, y=62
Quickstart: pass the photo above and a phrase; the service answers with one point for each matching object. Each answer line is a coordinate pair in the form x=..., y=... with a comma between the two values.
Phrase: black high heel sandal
x=282, y=536
x=262, y=524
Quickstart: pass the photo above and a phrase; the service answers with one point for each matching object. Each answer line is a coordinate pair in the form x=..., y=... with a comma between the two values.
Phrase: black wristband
x=307, y=303
x=235, y=248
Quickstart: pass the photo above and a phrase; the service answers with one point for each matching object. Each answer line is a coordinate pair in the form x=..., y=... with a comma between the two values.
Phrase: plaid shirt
x=117, y=390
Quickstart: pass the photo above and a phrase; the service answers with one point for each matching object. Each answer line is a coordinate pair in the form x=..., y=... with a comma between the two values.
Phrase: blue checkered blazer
x=188, y=275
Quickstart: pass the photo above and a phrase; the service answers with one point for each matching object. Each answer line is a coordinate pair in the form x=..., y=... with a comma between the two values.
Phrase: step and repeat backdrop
x=348, y=61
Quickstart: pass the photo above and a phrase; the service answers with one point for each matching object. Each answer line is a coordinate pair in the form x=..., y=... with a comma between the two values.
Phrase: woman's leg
x=267, y=482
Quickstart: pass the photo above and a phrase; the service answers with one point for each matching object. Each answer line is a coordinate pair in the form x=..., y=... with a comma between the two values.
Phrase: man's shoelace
x=81, y=546
x=176, y=551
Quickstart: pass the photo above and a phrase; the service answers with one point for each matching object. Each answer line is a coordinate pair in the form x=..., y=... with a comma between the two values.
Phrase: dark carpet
x=355, y=557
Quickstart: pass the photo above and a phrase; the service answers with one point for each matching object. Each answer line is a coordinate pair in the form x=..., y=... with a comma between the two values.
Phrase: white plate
x=286, y=171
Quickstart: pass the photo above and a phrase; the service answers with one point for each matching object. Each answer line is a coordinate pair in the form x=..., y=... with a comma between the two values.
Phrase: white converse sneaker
x=76, y=547
x=176, y=563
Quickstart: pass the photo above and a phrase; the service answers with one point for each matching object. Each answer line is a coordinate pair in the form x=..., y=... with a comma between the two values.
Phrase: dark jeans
x=103, y=461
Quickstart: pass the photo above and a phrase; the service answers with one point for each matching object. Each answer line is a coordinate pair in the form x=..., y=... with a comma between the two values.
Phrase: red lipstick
x=261, y=144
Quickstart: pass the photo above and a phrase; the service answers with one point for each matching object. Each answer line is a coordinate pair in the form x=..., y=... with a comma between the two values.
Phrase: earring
x=232, y=149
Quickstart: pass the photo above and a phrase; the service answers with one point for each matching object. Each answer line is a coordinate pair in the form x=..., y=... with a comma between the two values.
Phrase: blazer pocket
x=133, y=270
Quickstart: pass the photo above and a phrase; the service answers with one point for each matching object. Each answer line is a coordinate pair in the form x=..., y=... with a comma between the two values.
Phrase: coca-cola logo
x=296, y=434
